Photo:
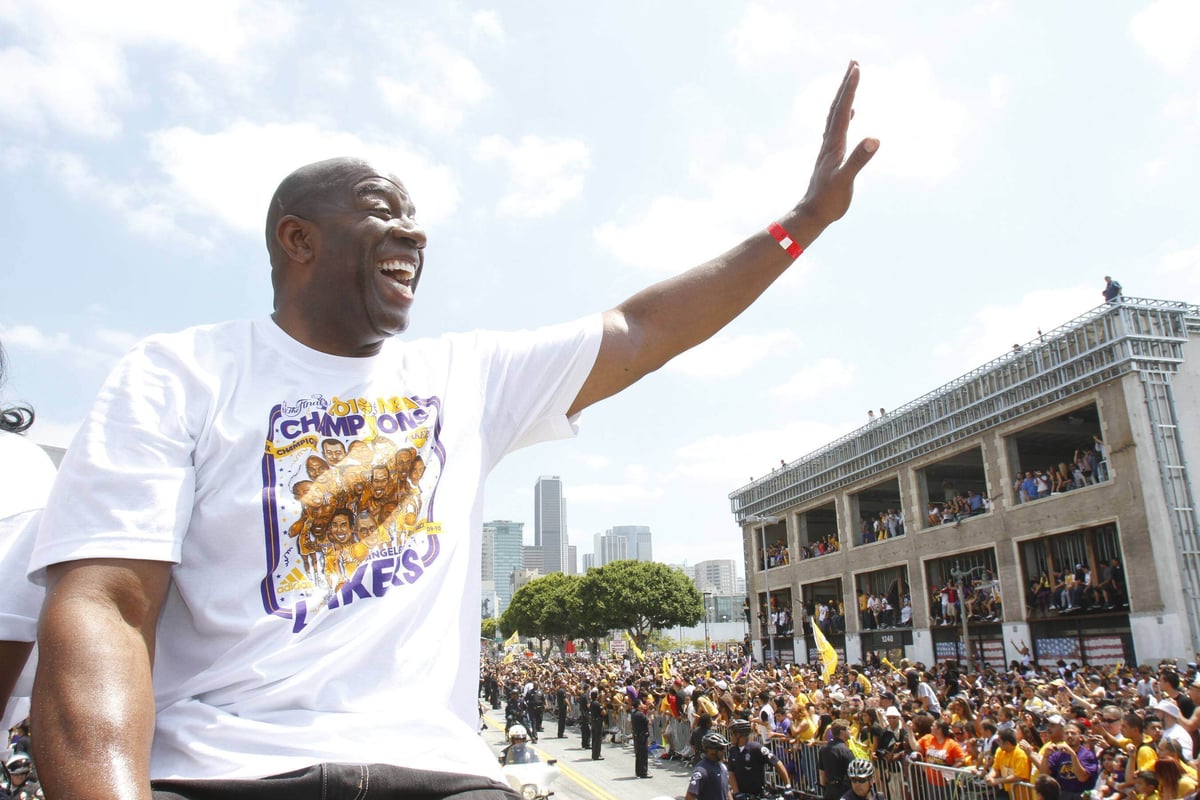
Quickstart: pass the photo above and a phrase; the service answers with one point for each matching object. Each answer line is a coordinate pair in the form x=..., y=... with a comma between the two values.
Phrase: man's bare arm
x=93, y=702
x=660, y=322
x=13, y=656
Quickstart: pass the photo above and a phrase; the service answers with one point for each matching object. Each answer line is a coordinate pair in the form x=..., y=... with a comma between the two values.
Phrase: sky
x=564, y=155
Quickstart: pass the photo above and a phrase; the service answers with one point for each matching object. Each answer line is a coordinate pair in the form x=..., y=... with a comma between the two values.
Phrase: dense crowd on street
x=1054, y=731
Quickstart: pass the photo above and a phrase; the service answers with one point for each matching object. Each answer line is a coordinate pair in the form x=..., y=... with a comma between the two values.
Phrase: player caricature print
x=348, y=498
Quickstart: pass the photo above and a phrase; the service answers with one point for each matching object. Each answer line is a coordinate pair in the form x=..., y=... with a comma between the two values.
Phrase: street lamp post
x=962, y=577
x=707, y=643
x=763, y=521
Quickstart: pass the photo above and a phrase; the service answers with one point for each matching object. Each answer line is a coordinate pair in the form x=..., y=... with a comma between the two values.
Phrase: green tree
x=542, y=608
x=487, y=628
x=640, y=597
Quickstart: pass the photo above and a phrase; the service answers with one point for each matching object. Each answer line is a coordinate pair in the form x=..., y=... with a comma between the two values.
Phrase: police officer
x=747, y=762
x=640, y=724
x=585, y=725
x=596, y=715
x=560, y=708
x=833, y=761
x=710, y=778
x=861, y=774
x=536, y=700
x=516, y=712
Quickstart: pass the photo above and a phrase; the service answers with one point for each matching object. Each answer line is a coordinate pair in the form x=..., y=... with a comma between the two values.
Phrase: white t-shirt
x=290, y=634
x=26, y=473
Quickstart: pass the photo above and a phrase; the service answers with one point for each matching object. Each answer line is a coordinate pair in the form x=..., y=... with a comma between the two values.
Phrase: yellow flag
x=637, y=651
x=829, y=659
x=508, y=659
x=666, y=668
x=514, y=639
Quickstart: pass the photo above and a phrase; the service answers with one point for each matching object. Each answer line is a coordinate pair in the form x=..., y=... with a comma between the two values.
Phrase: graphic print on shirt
x=348, y=499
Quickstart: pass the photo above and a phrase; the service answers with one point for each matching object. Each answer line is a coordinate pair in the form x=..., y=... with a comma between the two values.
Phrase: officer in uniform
x=560, y=708
x=585, y=726
x=710, y=778
x=640, y=724
x=747, y=762
x=861, y=774
x=596, y=713
x=833, y=761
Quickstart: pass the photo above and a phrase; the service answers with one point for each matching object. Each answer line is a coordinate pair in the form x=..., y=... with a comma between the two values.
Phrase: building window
x=954, y=489
x=878, y=512
x=883, y=599
x=817, y=531
x=1079, y=572
x=1058, y=456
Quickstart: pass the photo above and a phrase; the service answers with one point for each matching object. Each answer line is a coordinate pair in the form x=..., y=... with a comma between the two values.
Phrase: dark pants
x=562, y=721
x=641, y=753
x=586, y=729
x=341, y=782
x=597, y=737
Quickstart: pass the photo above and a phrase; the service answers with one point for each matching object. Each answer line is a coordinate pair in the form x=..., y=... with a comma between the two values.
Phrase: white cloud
x=992, y=330
x=922, y=130
x=1154, y=168
x=486, y=25
x=68, y=64
x=1000, y=90
x=105, y=347
x=771, y=34
x=140, y=204
x=231, y=174
x=727, y=355
x=638, y=484
x=543, y=174
x=903, y=104
x=733, y=459
x=440, y=104
x=816, y=380
x=1169, y=32
x=1182, y=269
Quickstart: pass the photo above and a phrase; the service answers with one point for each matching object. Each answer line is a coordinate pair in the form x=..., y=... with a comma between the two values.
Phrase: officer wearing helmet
x=518, y=750
x=710, y=778
x=22, y=784
x=861, y=774
x=747, y=761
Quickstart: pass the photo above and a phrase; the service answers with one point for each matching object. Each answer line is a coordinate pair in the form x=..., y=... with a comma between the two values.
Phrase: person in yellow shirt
x=1010, y=767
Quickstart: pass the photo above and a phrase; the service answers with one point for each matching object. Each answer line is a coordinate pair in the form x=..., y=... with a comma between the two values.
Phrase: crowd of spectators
x=878, y=610
x=823, y=546
x=1088, y=466
x=979, y=600
x=957, y=508
x=777, y=554
x=886, y=525
x=1058, y=732
x=1081, y=589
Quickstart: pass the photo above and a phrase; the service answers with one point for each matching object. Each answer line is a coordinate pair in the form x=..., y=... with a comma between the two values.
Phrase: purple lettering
x=354, y=586
x=311, y=422
x=382, y=570
x=412, y=561
x=289, y=428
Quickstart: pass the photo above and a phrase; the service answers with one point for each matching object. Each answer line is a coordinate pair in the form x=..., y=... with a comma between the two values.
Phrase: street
x=584, y=779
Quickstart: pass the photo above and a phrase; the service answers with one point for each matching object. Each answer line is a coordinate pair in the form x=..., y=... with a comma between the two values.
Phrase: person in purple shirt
x=1072, y=763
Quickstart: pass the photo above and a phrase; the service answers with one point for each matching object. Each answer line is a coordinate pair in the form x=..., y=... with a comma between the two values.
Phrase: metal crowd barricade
x=901, y=779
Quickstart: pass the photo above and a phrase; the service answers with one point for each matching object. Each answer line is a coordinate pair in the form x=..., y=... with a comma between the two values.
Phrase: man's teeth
x=395, y=265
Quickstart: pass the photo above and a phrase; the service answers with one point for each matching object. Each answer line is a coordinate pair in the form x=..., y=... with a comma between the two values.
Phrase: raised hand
x=832, y=184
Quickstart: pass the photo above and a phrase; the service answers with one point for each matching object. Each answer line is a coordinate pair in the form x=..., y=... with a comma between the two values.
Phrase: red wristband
x=785, y=241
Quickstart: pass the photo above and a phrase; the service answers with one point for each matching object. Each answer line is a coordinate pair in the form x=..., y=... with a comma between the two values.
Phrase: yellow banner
x=514, y=639
x=829, y=659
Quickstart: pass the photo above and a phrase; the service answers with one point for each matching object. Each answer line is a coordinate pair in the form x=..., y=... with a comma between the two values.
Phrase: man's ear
x=298, y=238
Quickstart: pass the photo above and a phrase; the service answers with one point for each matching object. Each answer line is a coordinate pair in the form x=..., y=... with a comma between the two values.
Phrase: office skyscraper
x=609, y=547
x=550, y=523
x=502, y=554
x=637, y=541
